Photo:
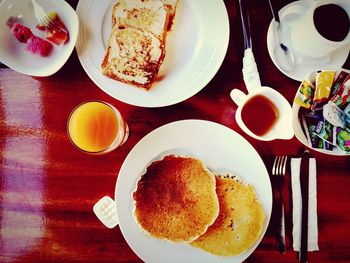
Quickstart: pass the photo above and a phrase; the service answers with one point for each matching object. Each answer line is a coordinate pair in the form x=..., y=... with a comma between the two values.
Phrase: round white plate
x=12, y=52
x=303, y=65
x=195, y=49
x=221, y=149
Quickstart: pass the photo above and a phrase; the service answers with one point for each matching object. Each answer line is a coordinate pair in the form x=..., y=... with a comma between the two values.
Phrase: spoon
x=250, y=71
x=283, y=54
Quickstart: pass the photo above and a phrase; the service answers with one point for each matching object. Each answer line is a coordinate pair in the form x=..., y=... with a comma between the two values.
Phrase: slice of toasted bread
x=240, y=221
x=148, y=15
x=133, y=56
x=175, y=199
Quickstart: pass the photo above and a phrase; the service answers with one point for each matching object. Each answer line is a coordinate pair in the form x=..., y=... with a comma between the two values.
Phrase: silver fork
x=43, y=18
x=278, y=172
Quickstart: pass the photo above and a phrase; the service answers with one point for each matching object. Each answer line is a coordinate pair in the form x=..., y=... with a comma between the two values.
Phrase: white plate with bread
x=223, y=151
x=185, y=49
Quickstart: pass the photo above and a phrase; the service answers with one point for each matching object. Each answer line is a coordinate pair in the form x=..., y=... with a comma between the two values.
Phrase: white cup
x=305, y=38
x=282, y=127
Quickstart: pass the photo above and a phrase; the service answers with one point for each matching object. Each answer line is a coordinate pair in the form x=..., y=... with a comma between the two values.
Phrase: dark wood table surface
x=48, y=187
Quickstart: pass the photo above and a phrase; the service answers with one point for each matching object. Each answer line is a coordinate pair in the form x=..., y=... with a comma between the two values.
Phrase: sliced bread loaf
x=148, y=15
x=133, y=56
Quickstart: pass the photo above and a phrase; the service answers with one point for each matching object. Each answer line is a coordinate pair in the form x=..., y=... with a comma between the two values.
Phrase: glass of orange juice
x=96, y=127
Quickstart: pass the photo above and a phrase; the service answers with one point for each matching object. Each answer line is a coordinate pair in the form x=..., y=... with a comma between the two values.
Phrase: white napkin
x=296, y=191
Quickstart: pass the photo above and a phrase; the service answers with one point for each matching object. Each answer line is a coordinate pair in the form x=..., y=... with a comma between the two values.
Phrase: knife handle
x=304, y=184
x=281, y=240
x=245, y=23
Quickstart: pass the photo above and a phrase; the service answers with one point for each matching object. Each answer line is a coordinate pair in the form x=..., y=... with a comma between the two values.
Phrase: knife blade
x=243, y=9
x=304, y=185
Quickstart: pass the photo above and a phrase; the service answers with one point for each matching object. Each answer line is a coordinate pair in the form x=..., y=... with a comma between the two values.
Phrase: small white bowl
x=297, y=125
x=12, y=52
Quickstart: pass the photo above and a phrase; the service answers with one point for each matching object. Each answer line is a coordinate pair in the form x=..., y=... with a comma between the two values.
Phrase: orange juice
x=96, y=127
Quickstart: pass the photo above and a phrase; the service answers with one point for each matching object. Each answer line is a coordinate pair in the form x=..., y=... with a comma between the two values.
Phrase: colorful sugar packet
x=326, y=115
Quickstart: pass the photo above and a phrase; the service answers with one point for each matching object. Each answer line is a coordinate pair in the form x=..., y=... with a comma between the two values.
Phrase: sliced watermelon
x=34, y=44
x=57, y=34
x=39, y=46
x=22, y=33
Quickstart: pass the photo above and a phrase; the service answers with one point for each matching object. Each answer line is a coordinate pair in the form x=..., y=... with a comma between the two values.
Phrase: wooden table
x=48, y=187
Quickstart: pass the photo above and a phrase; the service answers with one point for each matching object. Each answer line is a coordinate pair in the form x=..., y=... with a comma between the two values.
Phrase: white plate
x=221, y=149
x=303, y=65
x=12, y=52
x=195, y=49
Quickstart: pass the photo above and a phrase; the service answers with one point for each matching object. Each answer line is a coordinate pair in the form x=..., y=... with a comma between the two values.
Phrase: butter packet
x=339, y=80
x=310, y=122
x=343, y=139
x=347, y=117
x=326, y=131
x=324, y=83
x=305, y=94
x=347, y=113
x=334, y=115
x=342, y=96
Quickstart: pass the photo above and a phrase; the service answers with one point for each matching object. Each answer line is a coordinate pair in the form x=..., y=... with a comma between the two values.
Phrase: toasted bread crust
x=171, y=6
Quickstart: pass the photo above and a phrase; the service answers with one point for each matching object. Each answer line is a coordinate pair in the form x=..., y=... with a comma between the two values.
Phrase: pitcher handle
x=238, y=96
x=106, y=211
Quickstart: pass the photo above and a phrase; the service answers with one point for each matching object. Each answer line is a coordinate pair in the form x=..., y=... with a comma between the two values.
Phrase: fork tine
x=43, y=21
x=47, y=22
x=55, y=26
x=278, y=171
x=274, y=166
x=284, y=165
x=279, y=165
x=43, y=18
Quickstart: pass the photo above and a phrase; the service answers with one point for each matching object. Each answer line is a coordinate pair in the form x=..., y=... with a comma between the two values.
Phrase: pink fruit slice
x=34, y=44
x=22, y=33
x=39, y=46
x=57, y=34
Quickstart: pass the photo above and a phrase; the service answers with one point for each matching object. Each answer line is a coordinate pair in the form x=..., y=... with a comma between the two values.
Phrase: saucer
x=304, y=65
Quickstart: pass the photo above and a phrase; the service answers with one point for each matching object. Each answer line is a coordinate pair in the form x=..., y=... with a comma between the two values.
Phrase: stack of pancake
x=179, y=199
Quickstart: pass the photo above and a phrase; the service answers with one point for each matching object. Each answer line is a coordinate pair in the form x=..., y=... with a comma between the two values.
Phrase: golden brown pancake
x=240, y=221
x=176, y=199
